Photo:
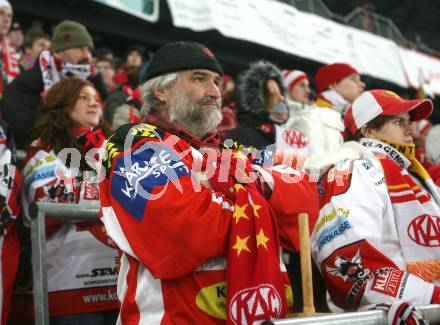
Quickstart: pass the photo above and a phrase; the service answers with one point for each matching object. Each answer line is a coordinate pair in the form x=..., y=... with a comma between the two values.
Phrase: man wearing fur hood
x=262, y=109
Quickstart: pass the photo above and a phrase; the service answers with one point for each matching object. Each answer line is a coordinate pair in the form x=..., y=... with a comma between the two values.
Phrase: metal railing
x=20, y=155
x=38, y=212
x=369, y=317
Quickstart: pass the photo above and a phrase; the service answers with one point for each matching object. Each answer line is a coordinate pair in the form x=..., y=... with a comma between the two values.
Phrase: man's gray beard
x=192, y=117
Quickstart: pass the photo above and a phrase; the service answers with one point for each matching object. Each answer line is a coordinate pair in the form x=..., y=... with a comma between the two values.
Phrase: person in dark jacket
x=70, y=56
x=260, y=104
x=262, y=109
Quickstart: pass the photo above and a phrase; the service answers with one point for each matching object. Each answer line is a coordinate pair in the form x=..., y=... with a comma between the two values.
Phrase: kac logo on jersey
x=295, y=139
x=425, y=230
x=256, y=304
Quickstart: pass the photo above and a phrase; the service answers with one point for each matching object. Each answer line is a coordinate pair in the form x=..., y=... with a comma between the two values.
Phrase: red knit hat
x=377, y=102
x=292, y=77
x=332, y=73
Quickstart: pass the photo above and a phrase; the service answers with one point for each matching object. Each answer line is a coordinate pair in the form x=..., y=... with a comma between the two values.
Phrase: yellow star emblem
x=256, y=207
x=241, y=245
x=239, y=187
x=262, y=239
x=245, y=176
x=239, y=155
x=239, y=213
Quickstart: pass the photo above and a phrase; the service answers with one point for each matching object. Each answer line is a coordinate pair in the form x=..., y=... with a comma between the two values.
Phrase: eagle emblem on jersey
x=348, y=269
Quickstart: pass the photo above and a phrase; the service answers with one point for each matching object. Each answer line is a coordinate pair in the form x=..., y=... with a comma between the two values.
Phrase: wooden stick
x=306, y=265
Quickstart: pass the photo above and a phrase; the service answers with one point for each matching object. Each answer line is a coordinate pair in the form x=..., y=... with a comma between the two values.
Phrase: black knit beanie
x=179, y=56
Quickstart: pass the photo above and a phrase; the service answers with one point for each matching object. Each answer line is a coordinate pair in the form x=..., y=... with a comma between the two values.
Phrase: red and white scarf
x=10, y=68
x=416, y=209
x=253, y=273
x=54, y=70
x=9, y=60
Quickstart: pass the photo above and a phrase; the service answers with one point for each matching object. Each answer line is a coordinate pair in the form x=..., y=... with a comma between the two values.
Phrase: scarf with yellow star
x=255, y=282
x=415, y=207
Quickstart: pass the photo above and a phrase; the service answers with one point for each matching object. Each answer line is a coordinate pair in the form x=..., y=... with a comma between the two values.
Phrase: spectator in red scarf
x=9, y=68
x=71, y=119
x=133, y=59
x=187, y=237
x=123, y=105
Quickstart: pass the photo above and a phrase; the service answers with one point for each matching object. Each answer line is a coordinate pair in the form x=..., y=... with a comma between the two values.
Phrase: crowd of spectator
x=365, y=161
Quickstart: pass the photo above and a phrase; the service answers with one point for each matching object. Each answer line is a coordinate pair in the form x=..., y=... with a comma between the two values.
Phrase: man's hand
x=289, y=158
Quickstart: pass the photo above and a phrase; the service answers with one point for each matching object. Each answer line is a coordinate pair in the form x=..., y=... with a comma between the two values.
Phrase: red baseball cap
x=332, y=73
x=373, y=103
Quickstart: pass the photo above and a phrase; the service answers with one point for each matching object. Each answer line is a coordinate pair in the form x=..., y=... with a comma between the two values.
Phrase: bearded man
x=196, y=251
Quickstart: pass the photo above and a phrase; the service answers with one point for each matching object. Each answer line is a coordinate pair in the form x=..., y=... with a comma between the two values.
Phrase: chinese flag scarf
x=255, y=284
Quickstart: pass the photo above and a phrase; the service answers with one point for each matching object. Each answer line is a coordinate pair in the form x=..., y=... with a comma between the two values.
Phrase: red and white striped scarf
x=416, y=209
x=54, y=70
x=9, y=63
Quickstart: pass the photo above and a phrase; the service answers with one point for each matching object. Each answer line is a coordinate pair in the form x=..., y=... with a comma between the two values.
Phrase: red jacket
x=174, y=232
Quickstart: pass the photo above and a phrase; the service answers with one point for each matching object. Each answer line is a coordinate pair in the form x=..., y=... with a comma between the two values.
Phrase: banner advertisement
x=144, y=9
x=283, y=27
x=422, y=70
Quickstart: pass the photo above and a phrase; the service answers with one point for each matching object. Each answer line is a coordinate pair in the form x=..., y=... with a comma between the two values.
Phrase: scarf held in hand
x=255, y=284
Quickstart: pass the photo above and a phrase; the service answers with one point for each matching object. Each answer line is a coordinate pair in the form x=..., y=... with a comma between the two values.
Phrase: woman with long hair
x=377, y=236
x=61, y=167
